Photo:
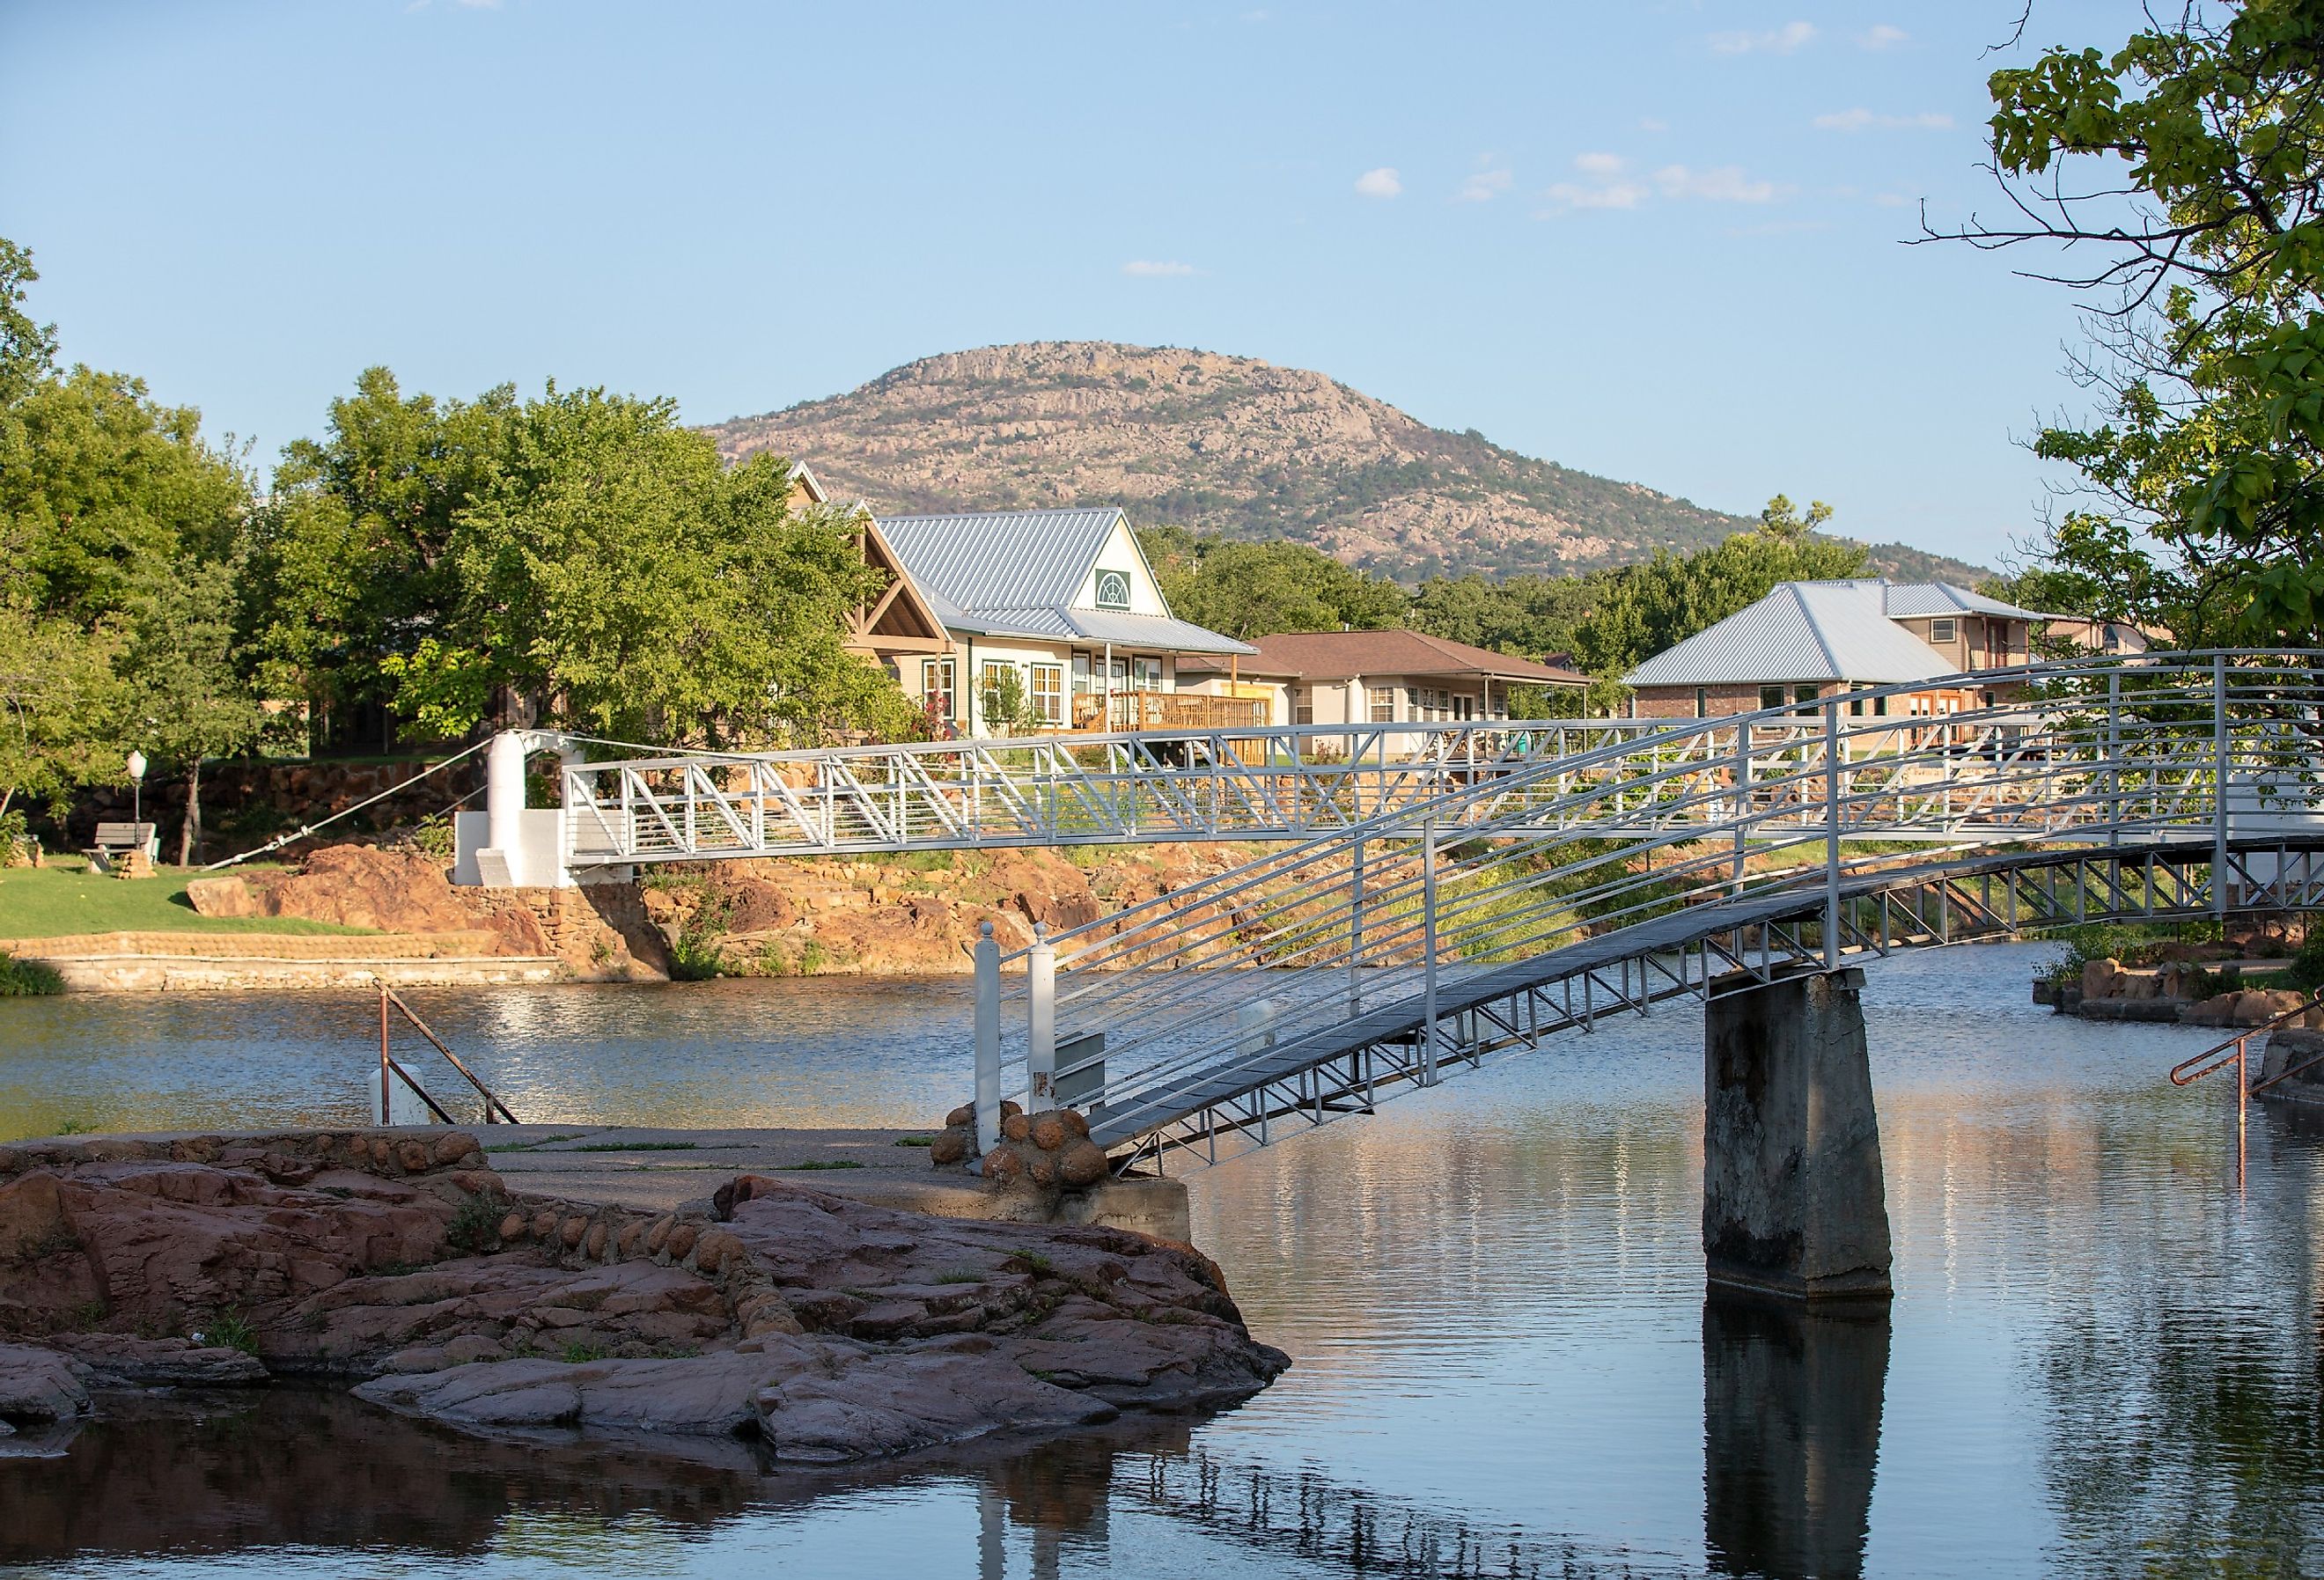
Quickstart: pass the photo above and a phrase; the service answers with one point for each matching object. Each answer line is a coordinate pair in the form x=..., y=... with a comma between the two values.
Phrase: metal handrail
x=2188, y=1071
x=496, y=1111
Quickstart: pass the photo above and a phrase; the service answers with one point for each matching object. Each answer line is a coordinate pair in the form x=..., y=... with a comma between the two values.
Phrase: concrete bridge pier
x=1793, y=1203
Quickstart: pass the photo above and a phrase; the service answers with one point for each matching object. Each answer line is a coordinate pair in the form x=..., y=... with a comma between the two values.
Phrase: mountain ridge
x=1228, y=445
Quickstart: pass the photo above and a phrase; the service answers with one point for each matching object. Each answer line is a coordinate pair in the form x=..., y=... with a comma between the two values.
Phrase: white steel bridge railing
x=1373, y=924
x=1274, y=783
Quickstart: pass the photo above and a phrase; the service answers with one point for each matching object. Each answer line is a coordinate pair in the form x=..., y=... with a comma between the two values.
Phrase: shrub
x=476, y=1228
x=25, y=979
x=2306, y=969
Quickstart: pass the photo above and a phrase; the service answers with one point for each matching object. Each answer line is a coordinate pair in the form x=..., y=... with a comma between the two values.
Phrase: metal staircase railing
x=390, y=1069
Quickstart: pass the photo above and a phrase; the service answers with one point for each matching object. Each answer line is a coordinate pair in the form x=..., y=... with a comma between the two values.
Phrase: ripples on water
x=2101, y=1359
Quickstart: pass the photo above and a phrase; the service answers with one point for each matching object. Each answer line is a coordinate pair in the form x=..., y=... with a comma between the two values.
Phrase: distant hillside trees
x=1604, y=623
x=1251, y=589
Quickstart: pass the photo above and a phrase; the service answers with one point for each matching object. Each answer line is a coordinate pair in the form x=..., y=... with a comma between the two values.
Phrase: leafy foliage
x=21, y=979
x=1254, y=590
x=2191, y=163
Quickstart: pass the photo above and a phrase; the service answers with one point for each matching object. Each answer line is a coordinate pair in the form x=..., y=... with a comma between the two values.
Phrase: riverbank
x=809, y=1324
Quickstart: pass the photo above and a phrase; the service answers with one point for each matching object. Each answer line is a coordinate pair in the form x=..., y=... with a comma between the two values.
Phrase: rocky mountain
x=1220, y=444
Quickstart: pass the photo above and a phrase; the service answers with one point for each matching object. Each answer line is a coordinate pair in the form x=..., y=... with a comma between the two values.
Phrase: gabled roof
x=998, y=559
x=1821, y=630
x=1024, y=573
x=1336, y=655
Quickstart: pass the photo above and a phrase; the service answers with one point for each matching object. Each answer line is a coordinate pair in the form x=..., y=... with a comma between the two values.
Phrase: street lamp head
x=137, y=765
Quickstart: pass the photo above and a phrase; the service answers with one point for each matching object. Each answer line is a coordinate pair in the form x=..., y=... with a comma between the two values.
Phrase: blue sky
x=1656, y=241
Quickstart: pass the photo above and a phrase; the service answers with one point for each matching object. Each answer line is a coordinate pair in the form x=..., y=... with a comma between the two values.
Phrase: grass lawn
x=64, y=898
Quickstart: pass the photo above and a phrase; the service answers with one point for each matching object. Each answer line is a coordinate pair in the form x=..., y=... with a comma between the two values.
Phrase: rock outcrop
x=824, y=1328
x=601, y=933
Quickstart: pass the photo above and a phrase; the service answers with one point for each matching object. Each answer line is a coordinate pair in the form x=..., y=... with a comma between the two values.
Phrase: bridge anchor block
x=1793, y=1203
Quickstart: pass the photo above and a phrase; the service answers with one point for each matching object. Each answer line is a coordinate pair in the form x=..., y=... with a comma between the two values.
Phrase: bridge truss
x=1516, y=904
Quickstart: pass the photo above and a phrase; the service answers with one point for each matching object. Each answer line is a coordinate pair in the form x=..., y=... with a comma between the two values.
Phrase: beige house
x=1049, y=620
x=1375, y=676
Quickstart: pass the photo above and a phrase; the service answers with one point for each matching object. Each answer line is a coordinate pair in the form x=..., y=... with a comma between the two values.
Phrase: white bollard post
x=1041, y=1048
x=988, y=1041
x=504, y=801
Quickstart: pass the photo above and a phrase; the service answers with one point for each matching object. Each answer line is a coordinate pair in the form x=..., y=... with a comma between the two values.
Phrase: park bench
x=128, y=850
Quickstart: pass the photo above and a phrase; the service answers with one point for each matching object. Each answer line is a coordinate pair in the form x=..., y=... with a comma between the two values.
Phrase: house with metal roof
x=1806, y=639
x=1378, y=677
x=1052, y=620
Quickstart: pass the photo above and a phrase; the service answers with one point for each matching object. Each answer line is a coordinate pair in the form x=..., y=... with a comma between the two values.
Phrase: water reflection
x=311, y=1471
x=2101, y=1358
x=1791, y=1435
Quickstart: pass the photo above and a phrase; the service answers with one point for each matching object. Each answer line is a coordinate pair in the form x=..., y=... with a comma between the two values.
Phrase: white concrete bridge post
x=1041, y=1015
x=988, y=1039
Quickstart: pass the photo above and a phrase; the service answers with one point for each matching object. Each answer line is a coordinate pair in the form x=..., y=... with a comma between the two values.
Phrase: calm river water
x=2102, y=1357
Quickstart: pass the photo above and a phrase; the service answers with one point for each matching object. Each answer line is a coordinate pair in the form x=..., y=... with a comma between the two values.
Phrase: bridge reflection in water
x=1792, y=1408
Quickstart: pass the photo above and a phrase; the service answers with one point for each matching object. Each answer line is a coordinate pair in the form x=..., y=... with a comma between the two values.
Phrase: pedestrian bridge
x=1430, y=896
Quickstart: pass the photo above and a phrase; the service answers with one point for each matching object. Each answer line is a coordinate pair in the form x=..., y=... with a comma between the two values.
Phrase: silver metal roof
x=1821, y=630
x=1917, y=600
x=1147, y=632
x=1025, y=572
x=1003, y=559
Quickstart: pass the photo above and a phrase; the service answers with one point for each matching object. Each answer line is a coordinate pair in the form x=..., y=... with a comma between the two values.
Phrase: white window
x=1145, y=674
x=936, y=689
x=1049, y=693
x=1944, y=630
x=1382, y=701
x=1113, y=589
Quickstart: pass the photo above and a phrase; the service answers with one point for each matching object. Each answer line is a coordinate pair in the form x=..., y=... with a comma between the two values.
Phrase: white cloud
x=1383, y=182
x=1605, y=187
x=1861, y=119
x=1484, y=186
x=1882, y=37
x=1152, y=268
x=1724, y=183
x=1650, y=124
x=1782, y=41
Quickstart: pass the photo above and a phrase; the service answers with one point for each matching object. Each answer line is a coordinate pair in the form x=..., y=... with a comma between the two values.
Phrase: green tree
x=59, y=703
x=117, y=521
x=349, y=562
x=1257, y=589
x=2189, y=165
x=182, y=694
x=1639, y=610
x=28, y=349
x=1533, y=616
x=611, y=574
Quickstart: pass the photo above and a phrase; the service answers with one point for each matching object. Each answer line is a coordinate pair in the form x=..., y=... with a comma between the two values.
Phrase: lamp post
x=136, y=787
